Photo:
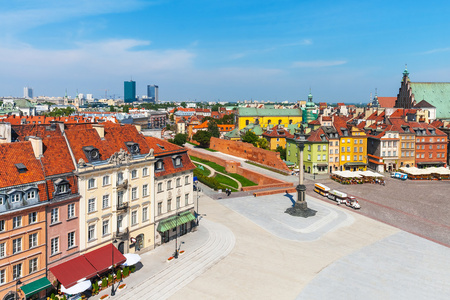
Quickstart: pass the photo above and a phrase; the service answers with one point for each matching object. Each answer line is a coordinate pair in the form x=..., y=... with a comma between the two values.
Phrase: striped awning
x=174, y=221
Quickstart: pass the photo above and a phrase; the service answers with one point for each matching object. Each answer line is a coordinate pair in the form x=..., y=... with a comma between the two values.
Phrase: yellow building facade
x=268, y=116
x=353, y=149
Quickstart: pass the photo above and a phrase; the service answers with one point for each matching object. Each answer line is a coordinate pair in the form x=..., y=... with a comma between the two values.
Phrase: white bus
x=321, y=189
x=337, y=196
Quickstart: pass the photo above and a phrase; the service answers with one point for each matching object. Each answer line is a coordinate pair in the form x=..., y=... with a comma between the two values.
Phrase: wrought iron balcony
x=122, y=184
x=122, y=206
x=123, y=234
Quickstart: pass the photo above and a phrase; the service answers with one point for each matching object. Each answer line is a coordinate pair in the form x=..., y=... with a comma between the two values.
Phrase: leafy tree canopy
x=60, y=112
x=213, y=129
x=180, y=139
x=262, y=143
x=203, y=138
x=282, y=152
x=250, y=137
x=183, y=104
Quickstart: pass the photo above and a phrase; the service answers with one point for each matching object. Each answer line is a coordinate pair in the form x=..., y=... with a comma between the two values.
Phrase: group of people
x=228, y=192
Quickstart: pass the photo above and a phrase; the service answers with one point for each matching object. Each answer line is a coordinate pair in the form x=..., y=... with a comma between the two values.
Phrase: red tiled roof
x=387, y=102
x=315, y=136
x=153, y=142
x=20, y=132
x=16, y=153
x=437, y=123
x=326, y=118
x=56, y=157
x=169, y=167
x=314, y=122
x=16, y=120
x=275, y=132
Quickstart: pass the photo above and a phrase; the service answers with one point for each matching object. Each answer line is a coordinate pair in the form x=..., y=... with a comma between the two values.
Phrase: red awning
x=101, y=258
x=69, y=272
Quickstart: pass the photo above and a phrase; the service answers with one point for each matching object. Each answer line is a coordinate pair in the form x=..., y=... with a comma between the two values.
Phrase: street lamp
x=113, y=292
x=198, y=190
x=176, y=235
x=17, y=283
x=314, y=172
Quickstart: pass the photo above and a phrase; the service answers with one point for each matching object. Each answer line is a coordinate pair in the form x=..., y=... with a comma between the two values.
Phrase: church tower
x=405, y=97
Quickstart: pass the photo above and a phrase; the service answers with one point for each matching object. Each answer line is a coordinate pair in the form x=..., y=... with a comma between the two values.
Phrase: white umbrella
x=77, y=288
x=132, y=259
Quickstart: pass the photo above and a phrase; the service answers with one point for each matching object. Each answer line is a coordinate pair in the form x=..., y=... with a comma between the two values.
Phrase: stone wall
x=248, y=151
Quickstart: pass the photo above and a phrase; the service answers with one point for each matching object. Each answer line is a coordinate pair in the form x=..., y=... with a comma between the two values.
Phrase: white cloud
x=318, y=63
x=437, y=50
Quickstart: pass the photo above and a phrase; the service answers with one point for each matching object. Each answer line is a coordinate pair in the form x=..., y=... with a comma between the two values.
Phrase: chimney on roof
x=100, y=130
x=38, y=147
x=5, y=132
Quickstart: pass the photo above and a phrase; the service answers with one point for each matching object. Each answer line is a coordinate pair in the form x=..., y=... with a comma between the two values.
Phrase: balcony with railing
x=122, y=184
x=122, y=234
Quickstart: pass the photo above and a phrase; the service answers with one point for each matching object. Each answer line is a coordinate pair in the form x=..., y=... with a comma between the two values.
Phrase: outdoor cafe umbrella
x=77, y=288
x=132, y=259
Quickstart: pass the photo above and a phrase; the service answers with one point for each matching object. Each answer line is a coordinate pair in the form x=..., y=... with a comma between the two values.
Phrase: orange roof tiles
x=56, y=157
x=387, y=102
x=15, y=120
x=278, y=132
x=16, y=153
x=315, y=135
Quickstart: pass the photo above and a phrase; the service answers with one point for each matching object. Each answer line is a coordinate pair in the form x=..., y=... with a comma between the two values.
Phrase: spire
x=406, y=73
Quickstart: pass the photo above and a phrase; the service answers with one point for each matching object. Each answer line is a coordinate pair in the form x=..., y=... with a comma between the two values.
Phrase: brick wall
x=249, y=152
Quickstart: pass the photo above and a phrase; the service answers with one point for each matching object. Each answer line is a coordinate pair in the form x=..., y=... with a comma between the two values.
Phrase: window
x=169, y=184
x=324, y=157
x=144, y=172
x=289, y=152
x=331, y=151
x=91, y=205
x=33, y=265
x=63, y=188
x=2, y=225
x=418, y=156
x=71, y=240
x=309, y=156
x=54, y=216
x=422, y=155
x=431, y=147
x=17, y=221
x=119, y=178
x=418, y=140
x=348, y=141
x=389, y=153
x=389, y=143
x=134, y=174
x=354, y=157
x=15, y=198
x=17, y=271
x=17, y=245
x=348, y=149
x=169, y=205
x=318, y=156
x=144, y=214
x=343, y=158
x=186, y=180
x=394, y=144
x=159, y=165
x=178, y=201
x=178, y=161
x=145, y=190
x=438, y=155
x=105, y=180
x=178, y=182
x=355, y=149
x=32, y=217
x=105, y=201
x=54, y=246
x=91, y=183
x=91, y=232
x=336, y=151
x=134, y=193
x=403, y=153
x=384, y=143
x=355, y=141
x=423, y=146
x=438, y=146
x=186, y=199
x=394, y=153
x=2, y=250
x=105, y=227
x=324, y=147
x=33, y=240
x=119, y=221
x=309, y=147
x=31, y=194
x=134, y=218
x=423, y=139
x=430, y=155
x=2, y=276
x=343, y=149
x=383, y=153
x=336, y=143
x=418, y=146
x=159, y=208
x=318, y=147
x=348, y=157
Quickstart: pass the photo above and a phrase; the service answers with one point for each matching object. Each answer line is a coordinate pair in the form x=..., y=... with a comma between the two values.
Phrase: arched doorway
x=139, y=242
x=11, y=296
x=121, y=247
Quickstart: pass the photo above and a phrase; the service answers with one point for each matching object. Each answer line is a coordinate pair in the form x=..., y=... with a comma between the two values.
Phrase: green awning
x=36, y=286
x=172, y=222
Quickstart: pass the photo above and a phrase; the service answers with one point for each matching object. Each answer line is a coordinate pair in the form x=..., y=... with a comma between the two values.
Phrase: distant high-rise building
x=27, y=92
x=129, y=88
x=89, y=97
x=152, y=93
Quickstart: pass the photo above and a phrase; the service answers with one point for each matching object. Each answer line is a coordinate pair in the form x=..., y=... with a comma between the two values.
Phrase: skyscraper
x=27, y=92
x=152, y=93
x=129, y=88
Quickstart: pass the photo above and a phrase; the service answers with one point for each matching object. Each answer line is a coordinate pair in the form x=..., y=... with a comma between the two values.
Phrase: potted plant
x=110, y=279
x=132, y=269
x=104, y=283
x=126, y=271
x=118, y=275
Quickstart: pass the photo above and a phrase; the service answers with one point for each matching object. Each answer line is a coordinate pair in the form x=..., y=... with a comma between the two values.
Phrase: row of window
x=430, y=155
x=54, y=243
x=355, y=149
x=407, y=153
x=394, y=153
x=319, y=157
x=319, y=148
x=169, y=184
x=355, y=158
x=169, y=204
x=17, y=245
x=17, y=221
x=355, y=141
x=17, y=196
x=106, y=223
x=431, y=147
x=54, y=213
x=18, y=270
x=407, y=145
x=390, y=144
x=106, y=180
x=431, y=140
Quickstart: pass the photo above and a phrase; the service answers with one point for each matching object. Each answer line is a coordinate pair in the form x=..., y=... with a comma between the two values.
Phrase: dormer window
x=62, y=186
x=177, y=161
x=133, y=148
x=15, y=197
x=91, y=153
x=159, y=165
x=21, y=168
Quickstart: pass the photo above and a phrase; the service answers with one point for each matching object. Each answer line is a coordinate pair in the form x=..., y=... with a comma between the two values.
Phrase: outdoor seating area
x=357, y=177
x=431, y=173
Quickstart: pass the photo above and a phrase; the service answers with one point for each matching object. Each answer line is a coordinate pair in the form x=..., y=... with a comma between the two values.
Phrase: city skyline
x=227, y=51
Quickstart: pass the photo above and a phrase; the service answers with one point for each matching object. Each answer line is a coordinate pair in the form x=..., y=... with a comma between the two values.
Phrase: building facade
x=129, y=91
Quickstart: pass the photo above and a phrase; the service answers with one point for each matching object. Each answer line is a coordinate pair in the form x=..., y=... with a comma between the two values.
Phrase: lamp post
x=113, y=292
x=176, y=235
x=198, y=190
x=17, y=283
x=314, y=172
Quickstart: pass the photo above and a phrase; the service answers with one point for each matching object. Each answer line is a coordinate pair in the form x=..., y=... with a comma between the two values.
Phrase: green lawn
x=227, y=181
x=244, y=181
x=204, y=171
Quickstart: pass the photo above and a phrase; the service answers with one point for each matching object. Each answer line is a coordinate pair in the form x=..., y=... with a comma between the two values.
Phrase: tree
x=126, y=109
x=250, y=137
x=111, y=108
x=282, y=152
x=203, y=138
x=180, y=139
x=183, y=104
x=215, y=107
x=263, y=143
x=213, y=129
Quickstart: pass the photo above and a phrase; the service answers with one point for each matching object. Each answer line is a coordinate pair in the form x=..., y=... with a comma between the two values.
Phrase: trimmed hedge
x=209, y=181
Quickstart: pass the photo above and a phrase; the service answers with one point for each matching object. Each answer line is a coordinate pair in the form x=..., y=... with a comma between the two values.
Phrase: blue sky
x=222, y=50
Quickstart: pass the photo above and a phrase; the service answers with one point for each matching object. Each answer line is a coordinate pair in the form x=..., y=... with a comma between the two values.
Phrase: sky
x=211, y=50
